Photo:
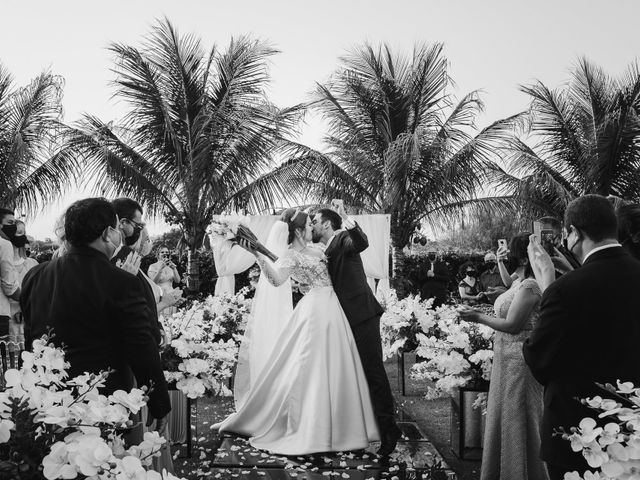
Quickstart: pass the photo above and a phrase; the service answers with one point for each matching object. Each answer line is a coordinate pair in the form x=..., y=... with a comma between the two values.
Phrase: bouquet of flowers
x=404, y=319
x=611, y=446
x=234, y=228
x=206, y=339
x=458, y=353
x=53, y=427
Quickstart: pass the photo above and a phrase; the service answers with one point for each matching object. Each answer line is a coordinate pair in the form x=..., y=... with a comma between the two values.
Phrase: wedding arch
x=231, y=260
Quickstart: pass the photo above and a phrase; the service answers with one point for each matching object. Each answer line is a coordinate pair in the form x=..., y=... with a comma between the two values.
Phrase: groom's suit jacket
x=347, y=275
x=588, y=331
x=100, y=314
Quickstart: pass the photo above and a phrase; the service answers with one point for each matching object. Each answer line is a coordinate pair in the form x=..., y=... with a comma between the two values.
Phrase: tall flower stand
x=180, y=420
x=401, y=381
x=467, y=423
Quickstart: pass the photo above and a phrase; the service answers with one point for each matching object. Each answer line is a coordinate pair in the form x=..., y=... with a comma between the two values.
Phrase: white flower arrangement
x=204, y=349
x=457, y=354
x=51, y=427
x=612, y=445
x=402, y=320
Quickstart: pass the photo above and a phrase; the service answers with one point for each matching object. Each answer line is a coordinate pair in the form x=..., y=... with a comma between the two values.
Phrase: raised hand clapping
x=131, y=264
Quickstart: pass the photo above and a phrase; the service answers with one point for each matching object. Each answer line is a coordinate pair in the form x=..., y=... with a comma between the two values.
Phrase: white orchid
x=80, y=422
x=613, y=449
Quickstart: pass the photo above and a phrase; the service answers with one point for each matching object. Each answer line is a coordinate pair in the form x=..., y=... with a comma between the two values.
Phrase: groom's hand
x=338, y=205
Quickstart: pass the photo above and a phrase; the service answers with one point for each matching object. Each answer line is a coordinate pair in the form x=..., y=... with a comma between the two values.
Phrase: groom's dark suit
x=588, y=331
x=363, y=313
x=100, y=314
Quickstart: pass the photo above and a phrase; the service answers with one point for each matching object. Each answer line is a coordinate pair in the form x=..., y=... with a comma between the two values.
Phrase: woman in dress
x=311, y=394
x=469, y=288
x=23, y=264
x=164, y=273
x=512, y=434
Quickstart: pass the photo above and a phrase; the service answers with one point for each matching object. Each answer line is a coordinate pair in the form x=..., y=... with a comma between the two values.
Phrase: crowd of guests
x=559, y=331
x=96, y=301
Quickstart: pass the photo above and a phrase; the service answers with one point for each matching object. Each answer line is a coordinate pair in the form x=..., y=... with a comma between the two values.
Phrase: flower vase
x=467, y=423
x=178, y=424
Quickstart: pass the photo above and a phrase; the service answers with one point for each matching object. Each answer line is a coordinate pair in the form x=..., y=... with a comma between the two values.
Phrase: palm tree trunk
x=398, y=277
x=193, y=271
x=193, y=259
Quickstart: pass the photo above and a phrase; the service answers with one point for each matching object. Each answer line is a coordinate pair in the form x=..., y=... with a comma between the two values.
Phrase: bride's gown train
x=311, y=395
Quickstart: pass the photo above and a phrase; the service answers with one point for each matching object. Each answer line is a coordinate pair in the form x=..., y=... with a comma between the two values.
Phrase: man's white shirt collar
x=332, y=237
x=598, y=249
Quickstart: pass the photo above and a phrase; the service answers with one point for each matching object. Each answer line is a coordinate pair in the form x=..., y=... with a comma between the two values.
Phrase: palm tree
x=397, y=142
x=588, y=141
x=30, y=175
x=198, y=135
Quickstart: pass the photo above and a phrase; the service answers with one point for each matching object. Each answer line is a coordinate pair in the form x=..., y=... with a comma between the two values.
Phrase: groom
x=363, y=311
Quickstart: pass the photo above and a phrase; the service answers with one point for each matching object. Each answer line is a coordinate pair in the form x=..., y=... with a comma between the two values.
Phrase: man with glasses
x=130, y=225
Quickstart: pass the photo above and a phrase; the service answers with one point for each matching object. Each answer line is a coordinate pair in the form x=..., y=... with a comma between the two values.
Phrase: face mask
x=10, y=230
x=572, y=246
x=119, y=243
x=19, y=241
x=128, y=241
x=490, y=265
x=432, y=256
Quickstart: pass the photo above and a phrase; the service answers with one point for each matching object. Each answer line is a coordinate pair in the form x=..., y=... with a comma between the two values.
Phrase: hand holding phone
x=502, y=243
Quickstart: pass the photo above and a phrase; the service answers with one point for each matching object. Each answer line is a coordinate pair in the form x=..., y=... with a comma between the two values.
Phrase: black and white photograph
x=291, y=240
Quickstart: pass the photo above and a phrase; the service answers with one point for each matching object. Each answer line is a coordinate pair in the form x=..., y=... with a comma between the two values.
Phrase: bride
x=300, y=387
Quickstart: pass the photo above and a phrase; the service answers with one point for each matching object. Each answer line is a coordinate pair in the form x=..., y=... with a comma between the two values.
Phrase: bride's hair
x=295, y=219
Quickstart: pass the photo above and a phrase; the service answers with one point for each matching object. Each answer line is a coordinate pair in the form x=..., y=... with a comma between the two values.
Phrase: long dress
x=164, y=281
x=312, y=395
x=514, y=411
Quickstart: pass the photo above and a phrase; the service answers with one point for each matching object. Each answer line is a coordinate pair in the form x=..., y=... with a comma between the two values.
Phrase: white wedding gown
x=311, y=395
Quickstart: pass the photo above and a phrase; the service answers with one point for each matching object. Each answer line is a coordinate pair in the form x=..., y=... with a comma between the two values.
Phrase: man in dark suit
x=435, y=280
x=343, y=248
x=130, y=225
x=588, y=329
x=96, y=310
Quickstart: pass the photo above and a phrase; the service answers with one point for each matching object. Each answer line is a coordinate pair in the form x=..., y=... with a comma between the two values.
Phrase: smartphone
x=502, y=243
x=549, y=232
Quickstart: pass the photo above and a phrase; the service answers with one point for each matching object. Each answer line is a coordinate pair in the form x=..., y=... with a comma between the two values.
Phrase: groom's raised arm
x=356, y=241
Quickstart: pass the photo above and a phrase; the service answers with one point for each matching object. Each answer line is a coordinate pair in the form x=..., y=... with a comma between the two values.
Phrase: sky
x=492, y=45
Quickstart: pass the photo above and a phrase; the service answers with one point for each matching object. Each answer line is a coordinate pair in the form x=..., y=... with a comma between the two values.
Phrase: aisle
x=216, y=457
x=413, y=458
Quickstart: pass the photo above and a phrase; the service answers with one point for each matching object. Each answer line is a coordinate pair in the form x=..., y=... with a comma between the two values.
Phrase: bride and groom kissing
x=312, y=379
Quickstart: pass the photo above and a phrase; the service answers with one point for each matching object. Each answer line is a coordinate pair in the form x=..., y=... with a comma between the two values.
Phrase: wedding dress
x=311, y=394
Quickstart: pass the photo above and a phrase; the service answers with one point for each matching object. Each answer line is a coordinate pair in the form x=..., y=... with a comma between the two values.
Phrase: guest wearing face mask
x=135, y=242
x=130, y=226
x=9, y=281
x=97, y=311
x=22, y=264
x=588, y=329
x=435, y=280
x=469, y=286
x=490, y=279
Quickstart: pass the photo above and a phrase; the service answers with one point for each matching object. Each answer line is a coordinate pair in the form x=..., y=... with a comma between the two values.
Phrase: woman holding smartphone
x=514, y=410
x=164, y=273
